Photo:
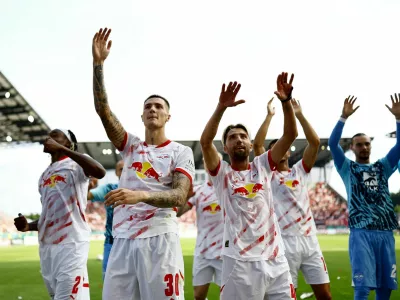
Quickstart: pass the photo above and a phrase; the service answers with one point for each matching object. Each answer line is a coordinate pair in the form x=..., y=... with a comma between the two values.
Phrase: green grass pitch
x=20, y=277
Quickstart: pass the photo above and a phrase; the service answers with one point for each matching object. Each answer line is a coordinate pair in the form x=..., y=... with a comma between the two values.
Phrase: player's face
x=238, y=144
x=118, y=168
x=361, y=147
x=155, y=113
x=59, y=137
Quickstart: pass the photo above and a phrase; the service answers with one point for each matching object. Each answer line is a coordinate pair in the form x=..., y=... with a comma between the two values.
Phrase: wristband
x=342, y=120
x=288, y=99
x=397, y=120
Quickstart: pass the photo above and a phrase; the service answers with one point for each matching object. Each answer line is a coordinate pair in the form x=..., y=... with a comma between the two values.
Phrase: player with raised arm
x=207, y=264
x=63, y=231
x=292, y=206
x=146, y=259
x=98, y=194
x=371, y=213
x=254, y=265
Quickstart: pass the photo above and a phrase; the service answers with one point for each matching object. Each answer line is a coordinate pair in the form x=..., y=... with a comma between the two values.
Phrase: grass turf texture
x=20, y=276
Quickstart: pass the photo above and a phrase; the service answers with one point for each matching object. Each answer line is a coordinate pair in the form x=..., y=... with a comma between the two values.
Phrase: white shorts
x=148, y=268
x=256, y=280
x=303, y=253
x=64, y=270
x=206, y=271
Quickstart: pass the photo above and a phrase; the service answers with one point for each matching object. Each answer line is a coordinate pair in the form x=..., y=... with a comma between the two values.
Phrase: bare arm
x=210, y=153
x=175, y=197
x=183, y=209
x=258, y=144
x=284, y=93
x=90, y=196
x=226, y=99
x=115, y=131
x=311, y=151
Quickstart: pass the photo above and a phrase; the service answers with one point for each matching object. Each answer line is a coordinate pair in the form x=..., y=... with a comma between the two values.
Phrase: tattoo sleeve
x=114, y=129
x=175, y=197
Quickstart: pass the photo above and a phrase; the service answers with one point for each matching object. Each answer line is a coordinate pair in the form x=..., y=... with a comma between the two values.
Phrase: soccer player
x=371, y=214
x=63, y=231
x=207, y=264
x=146, y=259
x=292, y=206
x=97, y=195
x=254, y=265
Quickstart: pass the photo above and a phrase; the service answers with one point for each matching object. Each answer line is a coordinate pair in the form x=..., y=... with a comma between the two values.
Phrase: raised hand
x=348, y=107
x=228, y=95
x=296, y=107
x=270, y=108
x=395, y=109
x=284, y=88
x=100, y=47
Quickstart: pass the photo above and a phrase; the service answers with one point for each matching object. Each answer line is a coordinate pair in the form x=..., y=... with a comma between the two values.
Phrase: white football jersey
x=210, y=221
x=251, y=230
x=63, y=188
x=292, y=205
x=149, y=168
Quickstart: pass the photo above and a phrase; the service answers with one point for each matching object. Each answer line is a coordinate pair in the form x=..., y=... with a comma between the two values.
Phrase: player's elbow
x=315, y=142
x=98, y=172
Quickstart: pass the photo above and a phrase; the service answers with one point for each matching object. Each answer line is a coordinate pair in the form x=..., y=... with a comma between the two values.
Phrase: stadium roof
x=18, y=120
x=106, y=154
x=392, y=134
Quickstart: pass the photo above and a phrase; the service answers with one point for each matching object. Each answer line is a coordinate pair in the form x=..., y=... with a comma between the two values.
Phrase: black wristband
x=288, y=99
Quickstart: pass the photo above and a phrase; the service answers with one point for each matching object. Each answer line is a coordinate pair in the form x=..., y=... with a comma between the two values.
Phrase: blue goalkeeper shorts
x=373, y=258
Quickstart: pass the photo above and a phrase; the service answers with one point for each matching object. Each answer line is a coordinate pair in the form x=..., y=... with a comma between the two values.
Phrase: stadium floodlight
x=109, y=151
x=116, y=151
x=7, y=95
x=293, y=148
x=8, y=138
x=31, y=119
x=322, y=147
x=328, y=148
x=104, y=151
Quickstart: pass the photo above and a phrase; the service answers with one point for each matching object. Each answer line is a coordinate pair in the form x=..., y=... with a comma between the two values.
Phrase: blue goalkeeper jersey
x=369, y=203
x=98, y=196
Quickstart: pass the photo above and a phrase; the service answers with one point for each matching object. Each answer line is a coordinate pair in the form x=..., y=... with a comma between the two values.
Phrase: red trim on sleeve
x=215, y=172
x=122, y=147
x=190, y=204
x=307, y=169
x=185, y=172
x=272, y=164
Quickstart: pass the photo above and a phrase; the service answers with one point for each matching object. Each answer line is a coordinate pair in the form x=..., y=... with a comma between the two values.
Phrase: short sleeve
x=265, y=160
x=388, y=170
x=185, y=163
x=218, y=175
x=302, y=169
x=99, y=193
x=129, y=144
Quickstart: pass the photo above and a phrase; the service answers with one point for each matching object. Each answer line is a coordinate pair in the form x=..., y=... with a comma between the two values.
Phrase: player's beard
x=241, y=155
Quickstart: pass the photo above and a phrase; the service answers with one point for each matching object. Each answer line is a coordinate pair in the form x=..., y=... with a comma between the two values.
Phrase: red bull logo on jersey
x=145, y=170
x=249, y=190
x=53, y=180
x=213, y=208
x=292, y=184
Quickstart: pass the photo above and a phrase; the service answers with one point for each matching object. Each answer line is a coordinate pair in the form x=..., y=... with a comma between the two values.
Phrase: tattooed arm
x=115, y=131
x=173, y=198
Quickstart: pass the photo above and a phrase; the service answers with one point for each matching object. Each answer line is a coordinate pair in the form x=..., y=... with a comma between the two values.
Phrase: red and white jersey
x=149, y=168
x=292, y=205
x=251, y=230
x=63, y=189
x=210, y=221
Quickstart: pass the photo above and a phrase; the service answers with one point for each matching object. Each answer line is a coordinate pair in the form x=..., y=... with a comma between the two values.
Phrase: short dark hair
x=357, y=135
x=157, y=96
x=74, y=141
x=229, y=128
x=272, y=143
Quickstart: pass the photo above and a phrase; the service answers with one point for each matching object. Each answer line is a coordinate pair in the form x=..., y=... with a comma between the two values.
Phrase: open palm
x=228, y=95
x=284, y=88
x=296, y=106
x=270, y=108
x=395, y=109
x=348, y=107
x=100, y=47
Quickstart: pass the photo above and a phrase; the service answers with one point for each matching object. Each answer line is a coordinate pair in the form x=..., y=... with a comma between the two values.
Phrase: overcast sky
x=184, y=51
